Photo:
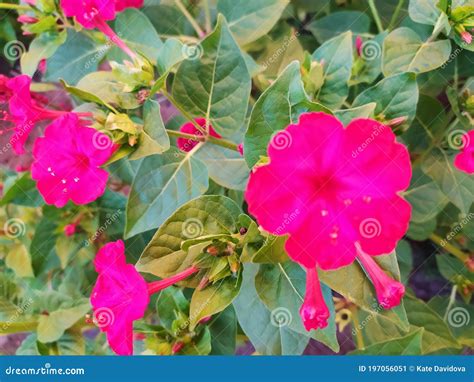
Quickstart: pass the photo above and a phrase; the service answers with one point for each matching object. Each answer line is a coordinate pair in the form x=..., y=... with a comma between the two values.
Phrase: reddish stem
x=157, y=286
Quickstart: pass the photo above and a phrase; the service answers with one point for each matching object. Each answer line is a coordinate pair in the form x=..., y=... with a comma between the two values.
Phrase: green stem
x=394, y=18
x=355, y=320
x=188, y=116
x=207, y=15
x=190, y=18
x=17, y=7
x=223, y=143
x=452, y=249
x=452, y=300
x=17, y=327
x=376, y=15
x=179, y=134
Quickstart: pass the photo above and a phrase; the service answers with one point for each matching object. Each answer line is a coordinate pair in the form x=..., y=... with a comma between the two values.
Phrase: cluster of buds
x=462, y=21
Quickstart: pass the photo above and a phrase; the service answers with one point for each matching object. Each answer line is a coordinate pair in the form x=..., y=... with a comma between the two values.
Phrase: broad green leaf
x=395, y=96
x=368, y=67
x=136, y=30
x=336, y=56
x=203, y=216
x=405, y=260
x=424, y=11
x=42, y=47
x=169, y=55
x=71, y=343
x=268, y=335
x=437, y=334
x=406, y=345
x=455, y=184
x=347, y=115
x=223, y=328
x=161, y=185
x=282, y=286
x=421, y=231
x=21, y=190
x=405, y=51
x=425, y=197
x=226, y=167
x=352, y=283
x=19, y=260
x=271, y=251
x=154, y=138
x=52, y=326
x=216, y=85
x=453, y=269
x=78, y=56
x=274, y=111
x=213, y=299
x=250, y=20
x=336, y=23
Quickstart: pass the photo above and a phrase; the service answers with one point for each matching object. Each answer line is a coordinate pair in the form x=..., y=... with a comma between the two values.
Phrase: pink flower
x=187, y=144
x=464, y=161
x=331, y=188
x=240, y=147
x=25, y=19
x=121, y=295
x=466, y=37
x=24, y=111
x=95, y=14
x=314, y=311
x=359, y=43
x=67, y=162
x=70, y=229
x=389, y=292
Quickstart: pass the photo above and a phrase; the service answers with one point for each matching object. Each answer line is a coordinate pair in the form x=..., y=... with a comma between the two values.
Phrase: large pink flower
x=464, y=161
x=95, y=13
x=121, y=295
x=331, y=189
x=67, y=162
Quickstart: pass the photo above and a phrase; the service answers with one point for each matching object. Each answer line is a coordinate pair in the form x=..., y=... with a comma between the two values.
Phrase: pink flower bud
x=25, y=19
x=466, y=37
x=70, y=230
x=359, y=44
x=314, y=311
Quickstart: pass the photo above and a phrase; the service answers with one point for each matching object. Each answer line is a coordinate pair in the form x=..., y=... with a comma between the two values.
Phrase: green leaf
x=154, y=138
x=425, y=197
x=161, y=185
x=256, y=321
x=368, y=67
x=352, y=283
x=424, y=11
x=437, y=334
x=347, y=115
x=19, y=260
x=170, y=54
x=21, y=190
x=282, y=286
x=169, y=304
x=207, y=215
x=336, y=57
x=226, y=167
x=223, y=328
x=336, y=23
x=405, y=51
x=71, y=343
x=213, y=299
x=271, y=251
x=455, y=184
x=42, y=47
x=52, y=326
x=248, y=21
x=136, y=30
x=78, y=56
x=395, y=96
x=216, y=85
x=274, y=111
x=406, y=345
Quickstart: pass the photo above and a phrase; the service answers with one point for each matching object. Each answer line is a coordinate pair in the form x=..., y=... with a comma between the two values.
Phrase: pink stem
x=109, y=32
x=156, y=286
